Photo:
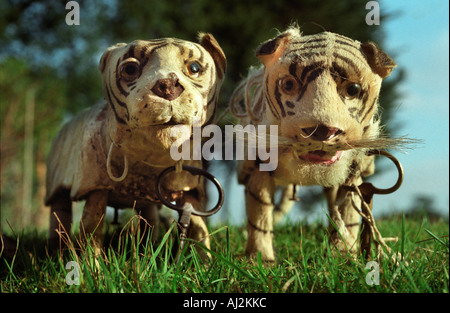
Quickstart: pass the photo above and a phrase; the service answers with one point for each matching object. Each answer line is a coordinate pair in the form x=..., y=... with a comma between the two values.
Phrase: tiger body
x=322, y=92
x=150, y=87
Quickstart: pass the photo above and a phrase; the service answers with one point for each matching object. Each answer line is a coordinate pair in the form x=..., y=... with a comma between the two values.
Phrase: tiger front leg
x=60, y=221
x=93, y=217
x=344, y=231
x=259, y=192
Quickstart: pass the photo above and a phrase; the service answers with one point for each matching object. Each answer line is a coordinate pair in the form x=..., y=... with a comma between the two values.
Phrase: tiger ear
x=106, y=54
x=212, y=46
x=270, y=51
x=379, y=61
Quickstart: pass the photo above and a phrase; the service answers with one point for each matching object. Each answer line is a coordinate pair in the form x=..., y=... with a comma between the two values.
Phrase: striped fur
x=322, y=91
x=150, y=87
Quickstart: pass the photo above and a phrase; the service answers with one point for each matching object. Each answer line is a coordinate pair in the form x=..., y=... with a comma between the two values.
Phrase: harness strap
x=259, y=229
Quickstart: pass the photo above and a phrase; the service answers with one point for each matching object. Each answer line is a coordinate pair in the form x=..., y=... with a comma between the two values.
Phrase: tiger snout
x=168, y=88
x=321, y=132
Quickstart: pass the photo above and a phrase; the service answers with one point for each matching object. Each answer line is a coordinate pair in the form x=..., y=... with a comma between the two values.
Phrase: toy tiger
x=322, y=92
x=112, y=153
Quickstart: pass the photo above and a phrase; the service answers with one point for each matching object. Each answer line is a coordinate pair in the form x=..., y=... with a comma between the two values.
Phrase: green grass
x=304, y=263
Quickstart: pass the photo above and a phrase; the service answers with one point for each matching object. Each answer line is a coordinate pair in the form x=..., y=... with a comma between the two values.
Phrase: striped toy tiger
x=112, y=153
x=322, y=92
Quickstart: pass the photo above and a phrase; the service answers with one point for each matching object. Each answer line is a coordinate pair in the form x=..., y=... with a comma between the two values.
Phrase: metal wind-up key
x=187, y=209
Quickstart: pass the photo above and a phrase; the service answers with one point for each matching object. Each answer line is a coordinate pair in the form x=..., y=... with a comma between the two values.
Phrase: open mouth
x=321, y=157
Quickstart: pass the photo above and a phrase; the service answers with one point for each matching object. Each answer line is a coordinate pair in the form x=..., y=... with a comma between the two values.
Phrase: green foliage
x=42, y=57
x=37, y=31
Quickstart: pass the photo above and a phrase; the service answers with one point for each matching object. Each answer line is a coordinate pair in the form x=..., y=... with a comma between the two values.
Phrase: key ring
x=369, y=189
x=194, y=171
x=366, y=191
x=399, y=182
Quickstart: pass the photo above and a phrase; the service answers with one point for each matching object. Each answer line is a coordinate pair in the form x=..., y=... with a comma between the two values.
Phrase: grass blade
x=437, y=238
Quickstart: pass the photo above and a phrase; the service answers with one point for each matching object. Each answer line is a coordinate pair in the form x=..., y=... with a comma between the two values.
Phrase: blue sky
x=417, y=35
x=419, y=39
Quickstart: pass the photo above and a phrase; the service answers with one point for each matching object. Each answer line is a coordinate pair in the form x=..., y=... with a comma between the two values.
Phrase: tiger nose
x=168, y=88
x=321, y=132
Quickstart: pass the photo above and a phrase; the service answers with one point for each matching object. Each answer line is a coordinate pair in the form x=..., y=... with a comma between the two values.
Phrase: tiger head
x=322, y=91
x=151, y=86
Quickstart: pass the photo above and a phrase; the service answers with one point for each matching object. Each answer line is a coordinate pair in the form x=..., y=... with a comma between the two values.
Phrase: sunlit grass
x=131, y=263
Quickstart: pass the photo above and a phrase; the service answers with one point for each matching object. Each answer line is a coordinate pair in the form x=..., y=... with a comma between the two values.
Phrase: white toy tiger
x=112, y=153
x=322, y=92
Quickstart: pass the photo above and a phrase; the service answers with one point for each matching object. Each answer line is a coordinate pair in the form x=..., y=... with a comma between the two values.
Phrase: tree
x=41, y=54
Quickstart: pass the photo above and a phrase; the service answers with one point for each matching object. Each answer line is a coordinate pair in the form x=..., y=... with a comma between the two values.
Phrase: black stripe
x=364, y=103
x=159, y=47
x=259, y=229
x=290, y=104
x=339, y=70
x=352, y=113
x=346, y=43
x=179, y=46
x=196, y=84
x=310, y=47
x=308, y=55
x=309, y=68
x=342, y=37
x=122, y=104
x=271, y=106
x=356, y=56
x=314, y=74
x=293, y=68
x=130, y=52
x=158, y=41
x=370, y=109
x=118, y=119
x=200, y=51
x=254, y=196
x=280, y=103
x=302, y=91
x=144, y=51
x=144, y=62
x=348, y=62
x=144, y=58
x=302, y=42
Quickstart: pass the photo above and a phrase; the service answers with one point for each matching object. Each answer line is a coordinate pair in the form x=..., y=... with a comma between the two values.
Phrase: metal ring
x=194, y=171
x=399, y=182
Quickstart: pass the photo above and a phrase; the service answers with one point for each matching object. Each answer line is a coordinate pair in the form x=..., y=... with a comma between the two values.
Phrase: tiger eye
x=129, y=71
x=288, y=84
x=352, y=91
x=193, y=68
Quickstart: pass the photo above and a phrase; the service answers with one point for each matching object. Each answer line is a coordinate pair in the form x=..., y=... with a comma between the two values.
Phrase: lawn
x=304, y=263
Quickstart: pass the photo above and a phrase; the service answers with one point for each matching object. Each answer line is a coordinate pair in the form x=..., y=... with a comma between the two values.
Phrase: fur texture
x=149, y=87
x=322, y=91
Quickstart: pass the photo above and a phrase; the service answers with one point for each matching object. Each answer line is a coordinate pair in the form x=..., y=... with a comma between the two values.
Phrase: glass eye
x=193, y=68
x=288, y=84
x=352, y=90
x=129, y=70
